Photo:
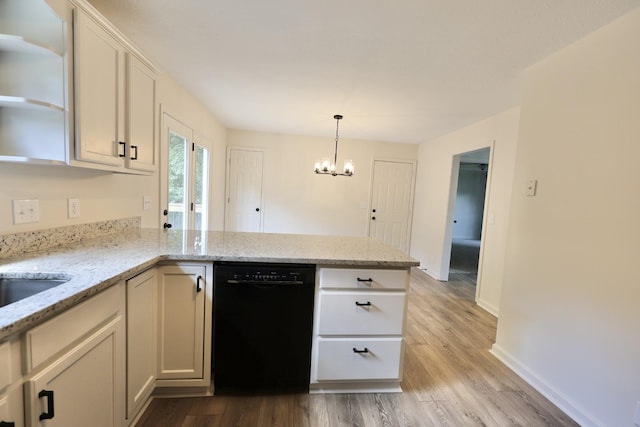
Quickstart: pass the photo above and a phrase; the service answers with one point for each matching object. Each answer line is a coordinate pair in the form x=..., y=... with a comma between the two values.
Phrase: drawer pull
x=366, y=350
x=7, y=424
x=363, y=304
x=49, y=395
x=369, y=280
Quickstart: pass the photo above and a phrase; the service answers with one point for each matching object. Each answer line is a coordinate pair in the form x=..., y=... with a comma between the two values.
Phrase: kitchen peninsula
x=127, y=280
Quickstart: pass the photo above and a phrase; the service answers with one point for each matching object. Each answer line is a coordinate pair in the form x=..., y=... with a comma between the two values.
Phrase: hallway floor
x=464, y=260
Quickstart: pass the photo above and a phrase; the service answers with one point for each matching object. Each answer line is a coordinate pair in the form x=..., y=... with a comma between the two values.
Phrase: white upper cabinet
x=99, y=61
x=73, y=90
x=141, y=116
x=115, y=90
x=34, y=109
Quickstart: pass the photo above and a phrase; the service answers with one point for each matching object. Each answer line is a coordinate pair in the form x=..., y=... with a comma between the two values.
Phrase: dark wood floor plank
x=450, y=379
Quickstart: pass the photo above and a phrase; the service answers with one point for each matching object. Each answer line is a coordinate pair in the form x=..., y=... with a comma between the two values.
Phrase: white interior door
x=243, y=210
x=392, y=202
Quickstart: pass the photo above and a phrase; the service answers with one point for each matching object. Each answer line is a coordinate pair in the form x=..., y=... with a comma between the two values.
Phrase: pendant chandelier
x=325, y=167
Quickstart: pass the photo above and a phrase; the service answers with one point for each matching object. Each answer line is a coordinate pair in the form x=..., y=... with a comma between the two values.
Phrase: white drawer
x=357, y=278
x=361, y=313
x=53, y=336
x=338, y=359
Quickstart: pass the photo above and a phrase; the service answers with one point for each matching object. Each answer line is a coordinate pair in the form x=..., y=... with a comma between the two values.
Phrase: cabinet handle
x=365, y=280
x=366, y=350
x=49, y=395
x=134, y=148
x=363, y=304
x=6, y=424
x=124, y=148
x=198, y=287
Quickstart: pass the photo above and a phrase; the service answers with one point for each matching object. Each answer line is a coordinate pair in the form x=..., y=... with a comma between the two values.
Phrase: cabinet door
x=181, y=298
x=85, y=386
x=141, y=339
x=10, y=412
x=141, y=115
x=99, y=93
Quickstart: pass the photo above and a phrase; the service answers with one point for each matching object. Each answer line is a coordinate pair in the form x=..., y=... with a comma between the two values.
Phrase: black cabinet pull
x=363, y=304
x=124, y=148
x=365, y=280
x=134, y=148
x=198, y=287
x=355, y=350
x=6, y=424
x=49, y=395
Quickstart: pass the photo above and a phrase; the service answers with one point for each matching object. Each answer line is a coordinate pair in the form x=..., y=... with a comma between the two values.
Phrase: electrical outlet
x=73, y=208
x=146, y=203
x=26, y=211
x=636, y=416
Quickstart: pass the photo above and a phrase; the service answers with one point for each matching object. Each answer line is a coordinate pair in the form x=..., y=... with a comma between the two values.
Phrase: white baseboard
x=578, y=414
x=430, y=274
x=488, y=307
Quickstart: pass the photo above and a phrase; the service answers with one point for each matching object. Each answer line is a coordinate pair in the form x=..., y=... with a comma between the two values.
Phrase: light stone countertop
x=96, y=264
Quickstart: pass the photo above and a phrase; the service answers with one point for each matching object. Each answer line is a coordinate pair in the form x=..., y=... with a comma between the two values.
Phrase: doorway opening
x=468, y=214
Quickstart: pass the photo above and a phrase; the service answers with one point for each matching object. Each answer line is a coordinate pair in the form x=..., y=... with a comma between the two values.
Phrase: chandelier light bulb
x=348, y=167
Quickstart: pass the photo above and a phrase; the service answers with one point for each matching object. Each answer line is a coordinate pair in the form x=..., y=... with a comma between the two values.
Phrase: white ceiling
x=399, y=71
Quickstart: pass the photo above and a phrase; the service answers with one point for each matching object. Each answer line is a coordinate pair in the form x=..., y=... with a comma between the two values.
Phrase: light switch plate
x=73, y=208
x=26, y=211
x=146, y=203
x=532, y=185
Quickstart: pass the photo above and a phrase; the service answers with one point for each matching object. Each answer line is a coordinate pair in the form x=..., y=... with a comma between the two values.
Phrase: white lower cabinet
x=358, y=331
x=5, y=412
x=82, y=384
x=11, y=407
x=142, y=309
x=184, y=327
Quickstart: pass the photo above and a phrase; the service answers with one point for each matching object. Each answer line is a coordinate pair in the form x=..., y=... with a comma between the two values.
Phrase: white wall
x=570, y=313
x=296, y=200
x=105, y=195
x=435, y=173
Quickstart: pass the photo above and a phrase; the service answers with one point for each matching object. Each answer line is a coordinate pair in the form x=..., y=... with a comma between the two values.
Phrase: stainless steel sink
x=14, y=289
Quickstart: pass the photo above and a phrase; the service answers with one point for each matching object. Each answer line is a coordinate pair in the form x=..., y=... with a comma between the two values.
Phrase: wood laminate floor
x=450, y=379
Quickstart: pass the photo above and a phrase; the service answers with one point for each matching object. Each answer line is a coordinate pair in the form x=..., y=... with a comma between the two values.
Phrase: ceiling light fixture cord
x=335, y=153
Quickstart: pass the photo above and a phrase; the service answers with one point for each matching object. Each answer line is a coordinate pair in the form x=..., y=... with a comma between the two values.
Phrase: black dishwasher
x=262, y=327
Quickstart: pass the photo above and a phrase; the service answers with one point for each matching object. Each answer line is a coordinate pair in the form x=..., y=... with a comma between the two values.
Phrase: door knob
x=257, y=209
x=374, y=211
x=373, y=218
x=167, y=225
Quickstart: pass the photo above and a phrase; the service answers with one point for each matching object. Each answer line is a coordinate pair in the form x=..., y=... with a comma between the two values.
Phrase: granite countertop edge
x=100, y=263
